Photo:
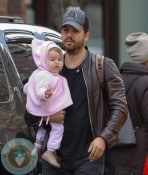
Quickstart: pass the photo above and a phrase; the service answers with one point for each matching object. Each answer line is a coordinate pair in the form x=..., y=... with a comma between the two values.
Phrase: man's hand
x=58, y=117
x=96, y=148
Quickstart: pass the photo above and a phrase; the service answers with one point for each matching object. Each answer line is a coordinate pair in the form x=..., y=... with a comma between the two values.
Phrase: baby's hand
x=48, y=93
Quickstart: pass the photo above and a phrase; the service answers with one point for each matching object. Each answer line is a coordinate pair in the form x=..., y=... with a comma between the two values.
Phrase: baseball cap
x=76, y=18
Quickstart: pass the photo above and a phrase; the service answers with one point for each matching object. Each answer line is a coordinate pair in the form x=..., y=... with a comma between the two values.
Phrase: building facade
x=110, y=20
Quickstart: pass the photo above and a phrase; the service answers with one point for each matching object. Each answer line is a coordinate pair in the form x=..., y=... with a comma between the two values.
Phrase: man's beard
x=73, y=50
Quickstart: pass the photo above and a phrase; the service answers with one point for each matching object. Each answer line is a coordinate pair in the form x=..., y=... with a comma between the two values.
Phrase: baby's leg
x=54, y=141
x=55, y=136
x=40, y=136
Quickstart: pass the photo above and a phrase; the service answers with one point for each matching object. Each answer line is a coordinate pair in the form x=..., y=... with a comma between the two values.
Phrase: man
x=87, y=132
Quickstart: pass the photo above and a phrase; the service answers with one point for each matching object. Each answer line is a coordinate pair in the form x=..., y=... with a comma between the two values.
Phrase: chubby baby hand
x=48, y=93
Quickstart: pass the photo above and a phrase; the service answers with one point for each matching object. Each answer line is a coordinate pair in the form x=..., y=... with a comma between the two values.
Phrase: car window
x=22, y=57
x=19, y=44
x=54, y=38
x=4, y=93
x=18, y=36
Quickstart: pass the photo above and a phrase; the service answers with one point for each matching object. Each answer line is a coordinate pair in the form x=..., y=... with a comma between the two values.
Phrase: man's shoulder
x=108, y=62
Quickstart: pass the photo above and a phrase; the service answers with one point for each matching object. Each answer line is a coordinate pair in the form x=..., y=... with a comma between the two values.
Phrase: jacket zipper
x=88, y=104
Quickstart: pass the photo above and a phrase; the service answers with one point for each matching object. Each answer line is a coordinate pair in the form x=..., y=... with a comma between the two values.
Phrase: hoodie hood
x=40, y=50
x=137, y=47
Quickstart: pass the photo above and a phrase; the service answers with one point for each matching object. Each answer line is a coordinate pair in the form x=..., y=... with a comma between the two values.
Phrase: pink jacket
x=40, y=80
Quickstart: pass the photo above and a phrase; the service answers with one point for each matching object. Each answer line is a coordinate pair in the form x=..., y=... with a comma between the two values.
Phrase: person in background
x=131, y=159
x=88, y=133
x=47, y=93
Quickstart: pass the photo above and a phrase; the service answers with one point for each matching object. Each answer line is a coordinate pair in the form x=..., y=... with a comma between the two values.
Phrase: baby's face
x=54, y=61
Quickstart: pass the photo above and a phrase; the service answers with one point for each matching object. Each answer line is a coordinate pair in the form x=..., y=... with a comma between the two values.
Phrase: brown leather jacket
x=103, y=126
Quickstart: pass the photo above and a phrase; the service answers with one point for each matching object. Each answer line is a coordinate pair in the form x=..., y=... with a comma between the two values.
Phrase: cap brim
x=73, y=24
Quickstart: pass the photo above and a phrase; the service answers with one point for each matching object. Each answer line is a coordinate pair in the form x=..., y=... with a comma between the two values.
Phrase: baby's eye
x=60, y=59
x=51, y=59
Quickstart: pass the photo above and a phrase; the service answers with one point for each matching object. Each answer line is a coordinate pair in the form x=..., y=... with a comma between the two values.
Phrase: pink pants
x=55, y=136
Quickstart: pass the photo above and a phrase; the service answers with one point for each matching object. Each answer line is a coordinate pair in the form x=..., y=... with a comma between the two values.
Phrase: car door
x=16, y=65
x=11, y=102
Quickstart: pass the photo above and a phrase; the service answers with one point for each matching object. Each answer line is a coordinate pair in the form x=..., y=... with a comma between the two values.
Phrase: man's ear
x=87, y=34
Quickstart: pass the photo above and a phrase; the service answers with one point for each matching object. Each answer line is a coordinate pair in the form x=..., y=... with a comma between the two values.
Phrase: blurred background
x=110, y=20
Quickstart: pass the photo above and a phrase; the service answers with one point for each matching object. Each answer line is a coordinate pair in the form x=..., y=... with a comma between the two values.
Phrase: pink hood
x=40, y=50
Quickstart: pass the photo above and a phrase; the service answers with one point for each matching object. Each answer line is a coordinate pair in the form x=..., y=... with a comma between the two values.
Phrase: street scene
x=73, y=87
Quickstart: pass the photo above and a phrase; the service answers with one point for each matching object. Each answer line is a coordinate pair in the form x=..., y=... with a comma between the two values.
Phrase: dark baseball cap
x=76, y=18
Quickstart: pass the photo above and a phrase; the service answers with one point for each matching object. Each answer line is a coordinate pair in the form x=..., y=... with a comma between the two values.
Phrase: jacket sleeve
x=116, y=102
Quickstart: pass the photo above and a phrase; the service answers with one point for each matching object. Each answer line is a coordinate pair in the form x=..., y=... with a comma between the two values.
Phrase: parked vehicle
x=16, y=65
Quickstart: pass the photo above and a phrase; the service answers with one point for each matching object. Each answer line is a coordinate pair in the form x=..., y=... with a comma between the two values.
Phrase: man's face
x=72, y=38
